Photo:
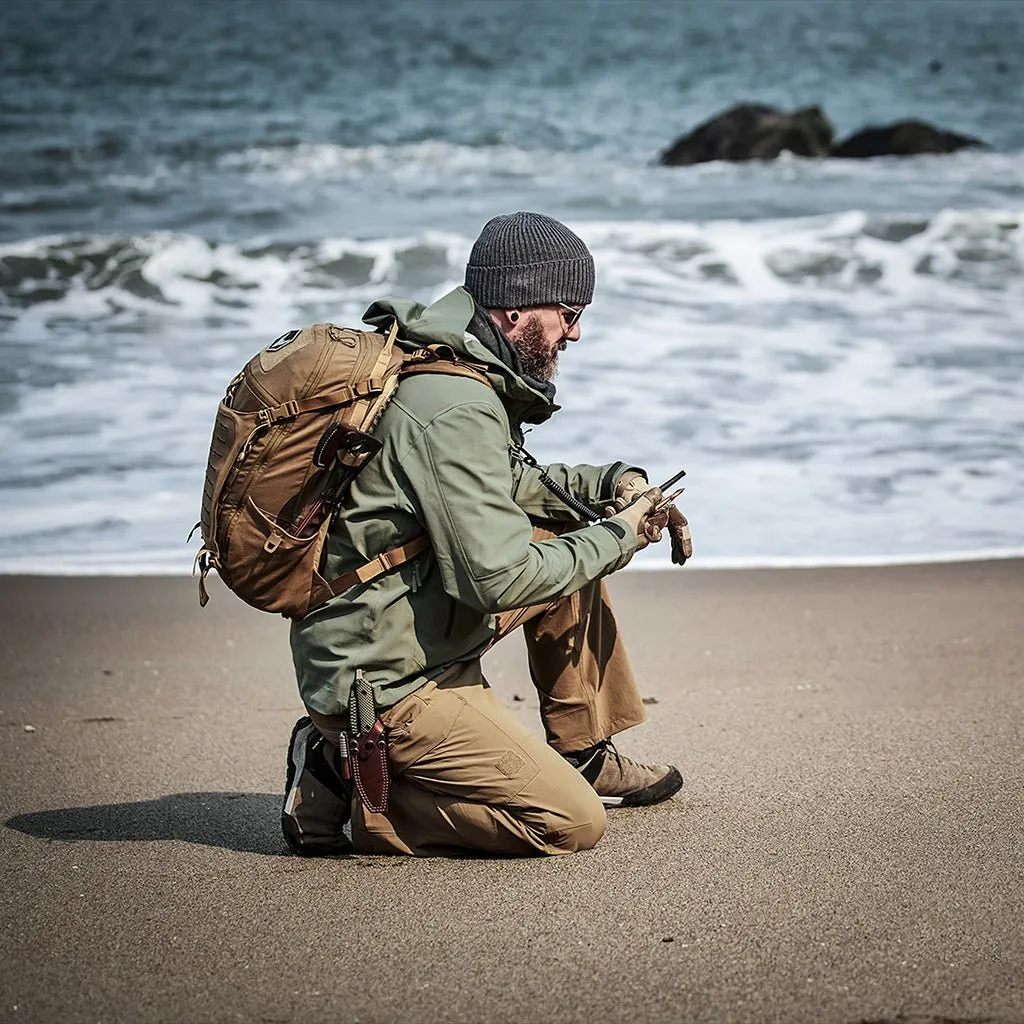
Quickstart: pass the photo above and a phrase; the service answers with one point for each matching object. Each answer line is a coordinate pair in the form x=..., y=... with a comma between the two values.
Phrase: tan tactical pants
x=467, y=775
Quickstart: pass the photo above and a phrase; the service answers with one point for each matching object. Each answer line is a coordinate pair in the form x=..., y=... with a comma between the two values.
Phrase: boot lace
x=621, y=760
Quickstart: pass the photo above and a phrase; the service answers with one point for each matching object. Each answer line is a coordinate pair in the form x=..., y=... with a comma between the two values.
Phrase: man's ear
x=506, y=319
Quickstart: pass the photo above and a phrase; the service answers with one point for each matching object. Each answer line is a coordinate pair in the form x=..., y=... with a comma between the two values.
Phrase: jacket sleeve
x=594, y=485
x=459, y=475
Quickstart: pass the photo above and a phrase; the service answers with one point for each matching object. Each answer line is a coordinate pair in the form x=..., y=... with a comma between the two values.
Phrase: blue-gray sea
x=833, y=349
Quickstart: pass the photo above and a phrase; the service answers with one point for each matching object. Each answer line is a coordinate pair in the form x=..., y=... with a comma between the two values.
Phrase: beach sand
x=849, y=845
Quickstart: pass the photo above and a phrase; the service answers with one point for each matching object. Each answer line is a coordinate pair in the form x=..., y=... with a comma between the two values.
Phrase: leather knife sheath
x=370, y=769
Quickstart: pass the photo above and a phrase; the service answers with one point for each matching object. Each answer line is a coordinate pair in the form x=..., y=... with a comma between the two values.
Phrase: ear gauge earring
x=514, y=316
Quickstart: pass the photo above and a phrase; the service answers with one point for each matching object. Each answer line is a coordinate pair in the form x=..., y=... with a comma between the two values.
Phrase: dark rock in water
x=904, y=138
x=935, y=66
x=750, y=131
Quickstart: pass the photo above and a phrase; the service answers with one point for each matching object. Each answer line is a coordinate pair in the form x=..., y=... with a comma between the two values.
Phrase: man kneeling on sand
x=447, y=769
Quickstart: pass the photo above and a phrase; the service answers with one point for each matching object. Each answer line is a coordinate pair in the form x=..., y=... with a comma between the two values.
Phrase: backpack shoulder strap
x=443, y=359
x=430, y=359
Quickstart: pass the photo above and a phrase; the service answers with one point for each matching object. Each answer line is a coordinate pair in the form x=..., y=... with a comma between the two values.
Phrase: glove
x=631, y=485
x=679, y=534
x=636, y=517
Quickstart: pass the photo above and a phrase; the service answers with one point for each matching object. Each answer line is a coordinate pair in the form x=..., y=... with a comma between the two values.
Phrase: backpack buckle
x=285, y=411
x=205, y=561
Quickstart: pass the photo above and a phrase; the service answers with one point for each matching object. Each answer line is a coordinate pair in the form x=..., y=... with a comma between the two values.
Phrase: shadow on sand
x=245, y=822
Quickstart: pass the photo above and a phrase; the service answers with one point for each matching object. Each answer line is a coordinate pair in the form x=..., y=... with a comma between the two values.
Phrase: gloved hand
x=633, y=483
x=679, y=533
x=637, y=518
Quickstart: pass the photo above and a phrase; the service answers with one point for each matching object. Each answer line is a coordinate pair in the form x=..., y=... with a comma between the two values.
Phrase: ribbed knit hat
x=527, y=259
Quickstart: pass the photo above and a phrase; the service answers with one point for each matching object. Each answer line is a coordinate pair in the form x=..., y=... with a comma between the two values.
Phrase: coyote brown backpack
x=291, y=433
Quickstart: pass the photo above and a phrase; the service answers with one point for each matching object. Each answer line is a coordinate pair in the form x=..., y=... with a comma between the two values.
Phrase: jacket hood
x=445, y=322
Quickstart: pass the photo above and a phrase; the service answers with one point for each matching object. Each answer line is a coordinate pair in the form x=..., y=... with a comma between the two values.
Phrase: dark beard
x=537, y=360
x=485, y=329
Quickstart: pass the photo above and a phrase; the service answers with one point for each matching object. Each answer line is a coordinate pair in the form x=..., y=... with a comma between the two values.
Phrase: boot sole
x=665, y=787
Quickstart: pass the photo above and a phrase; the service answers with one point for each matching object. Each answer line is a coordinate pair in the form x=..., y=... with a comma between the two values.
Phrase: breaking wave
x=978, y=253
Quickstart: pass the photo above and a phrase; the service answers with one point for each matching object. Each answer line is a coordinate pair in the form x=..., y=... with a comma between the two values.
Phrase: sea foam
x=839, y=387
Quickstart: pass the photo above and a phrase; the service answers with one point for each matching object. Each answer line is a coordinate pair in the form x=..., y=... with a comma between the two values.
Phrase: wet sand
x=849, y=846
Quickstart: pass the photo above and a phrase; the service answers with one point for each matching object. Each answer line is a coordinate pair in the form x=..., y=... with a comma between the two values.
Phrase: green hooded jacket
x=445, y=468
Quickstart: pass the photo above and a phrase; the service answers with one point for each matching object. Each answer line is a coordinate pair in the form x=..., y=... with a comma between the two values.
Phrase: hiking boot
x=622, y=782
x=317, y=800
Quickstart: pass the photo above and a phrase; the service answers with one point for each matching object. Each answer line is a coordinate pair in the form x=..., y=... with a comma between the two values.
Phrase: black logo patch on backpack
x=279, y=343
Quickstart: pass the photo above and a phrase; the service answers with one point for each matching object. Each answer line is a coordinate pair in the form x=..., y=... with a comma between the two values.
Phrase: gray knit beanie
x=527, y=259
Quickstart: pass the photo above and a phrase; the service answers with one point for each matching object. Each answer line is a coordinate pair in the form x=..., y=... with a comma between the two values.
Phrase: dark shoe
x=317, y=800
x=622, y=782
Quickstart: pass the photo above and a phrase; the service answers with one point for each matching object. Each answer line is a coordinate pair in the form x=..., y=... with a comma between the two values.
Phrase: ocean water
x=834, y=350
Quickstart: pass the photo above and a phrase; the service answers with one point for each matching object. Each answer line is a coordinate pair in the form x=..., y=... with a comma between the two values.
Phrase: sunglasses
x=571, y=314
